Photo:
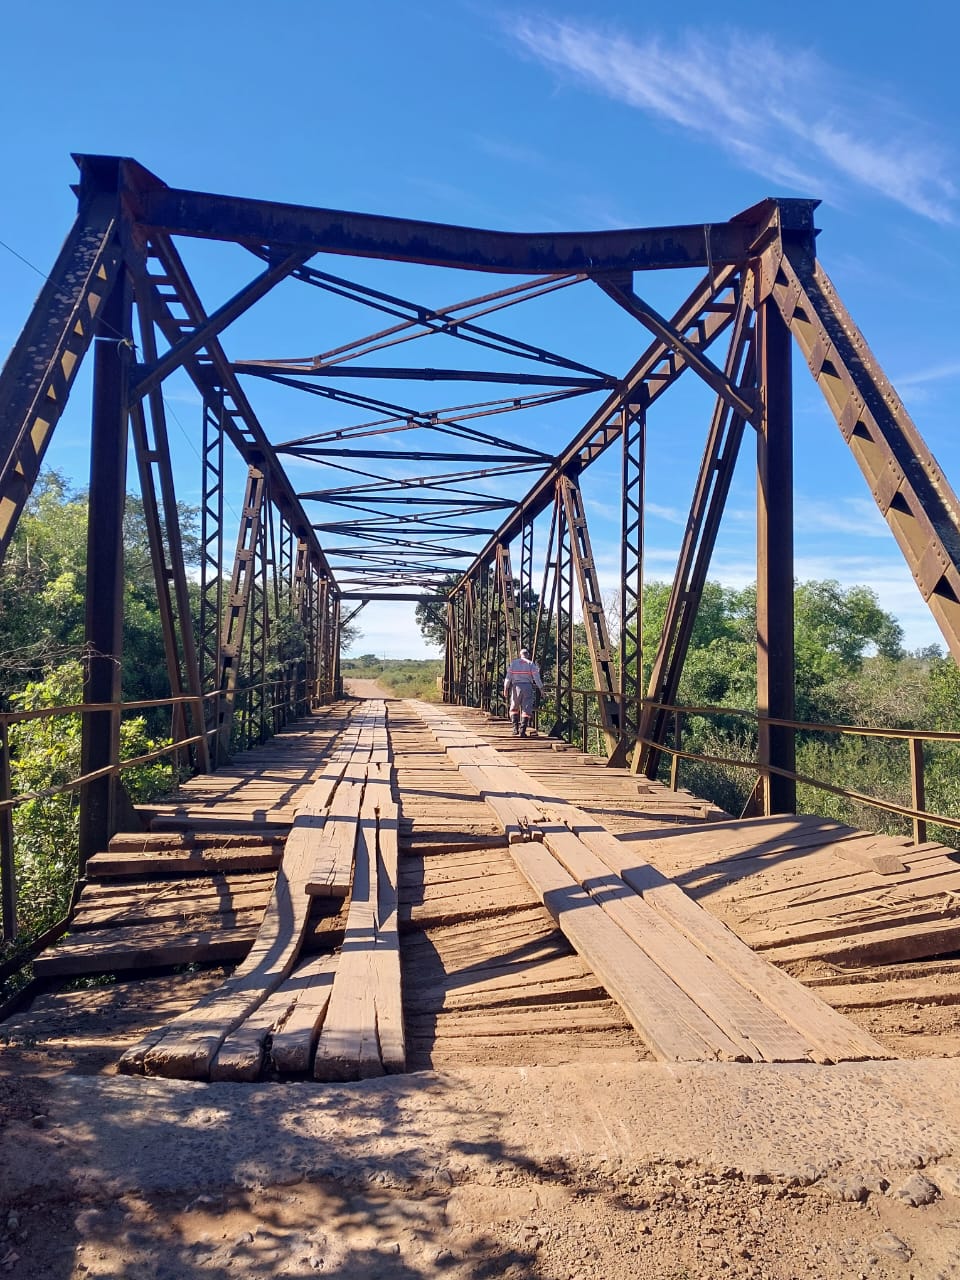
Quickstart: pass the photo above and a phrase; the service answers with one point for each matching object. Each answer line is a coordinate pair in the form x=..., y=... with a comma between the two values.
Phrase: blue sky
x=529, y=118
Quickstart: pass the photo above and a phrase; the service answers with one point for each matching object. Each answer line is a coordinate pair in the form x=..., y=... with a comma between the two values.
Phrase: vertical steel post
x=703, y=521
x=449, y=652
x=594, y=618
x=633, y=462
x=8, y=873
x=337, y=682
x=234, y=623
x=918, y=798
x=526, y=586
x=563, y=725
x=776, y=676
x=103, y=631
x=211, y=565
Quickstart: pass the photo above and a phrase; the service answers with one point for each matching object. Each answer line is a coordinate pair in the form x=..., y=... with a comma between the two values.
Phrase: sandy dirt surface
x=639, y=1170
x=582, y=1170
x=356, y=688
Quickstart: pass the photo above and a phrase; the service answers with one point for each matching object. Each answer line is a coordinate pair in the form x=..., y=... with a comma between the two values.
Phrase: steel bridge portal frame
x=425, y=534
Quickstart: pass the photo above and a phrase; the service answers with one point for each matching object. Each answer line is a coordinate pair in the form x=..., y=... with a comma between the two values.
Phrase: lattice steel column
x=166, y=553
x=564, y=622
x=211, y=561
x=449, y=651
x=336, y=684
x=244, y=571
x=594, y=618
x=508, y=597
x=526, y=586
x=306, y=615
x=633, y=470
x=258, y=629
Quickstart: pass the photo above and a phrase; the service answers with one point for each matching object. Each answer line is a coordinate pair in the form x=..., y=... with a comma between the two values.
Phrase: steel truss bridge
x=432, y=489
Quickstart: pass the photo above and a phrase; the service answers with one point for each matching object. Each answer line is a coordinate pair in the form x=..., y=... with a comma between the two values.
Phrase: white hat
x=525, y=653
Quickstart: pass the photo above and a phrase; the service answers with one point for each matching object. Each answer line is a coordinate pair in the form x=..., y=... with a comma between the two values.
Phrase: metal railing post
x=8, y=875
x=917, y=790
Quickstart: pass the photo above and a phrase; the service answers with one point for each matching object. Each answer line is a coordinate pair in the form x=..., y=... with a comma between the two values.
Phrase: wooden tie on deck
x=347, y=1006
x=689, y=986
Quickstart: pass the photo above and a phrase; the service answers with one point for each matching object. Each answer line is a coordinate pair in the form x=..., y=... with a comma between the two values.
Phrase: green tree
x=431, y=615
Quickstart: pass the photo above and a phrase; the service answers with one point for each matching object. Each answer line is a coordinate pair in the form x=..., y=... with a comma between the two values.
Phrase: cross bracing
x=440, y=445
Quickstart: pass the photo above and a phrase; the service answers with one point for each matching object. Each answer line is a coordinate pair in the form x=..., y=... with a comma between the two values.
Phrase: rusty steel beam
x=38, y=374
x=156, y=471
x=216, y=380
x=256, y=223
x=155, y=368
x=103, y=628
x=633, y=464
x=508, y=599
x=908, y=485
x=623, y=294
x=267, y=369
x=776, y=671
x=238, y=602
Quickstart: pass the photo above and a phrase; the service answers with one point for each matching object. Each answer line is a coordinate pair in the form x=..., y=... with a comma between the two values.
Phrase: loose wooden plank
x=178, y=862
x=296, y=1034
x=178, y=900
x=291, y=1015
x=746, y=1020
x=865, y=853
x=192, y=1041
x=148, y=947
x=347, y=1046
x=388, y=993
x=894, y=945
x=667, y=1019
x=831, y=1036
x=834, y=1037
x=332, y=845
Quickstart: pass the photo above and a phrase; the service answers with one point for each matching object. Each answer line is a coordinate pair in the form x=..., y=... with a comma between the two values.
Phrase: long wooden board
x=761, y=1009
x=189, y=1046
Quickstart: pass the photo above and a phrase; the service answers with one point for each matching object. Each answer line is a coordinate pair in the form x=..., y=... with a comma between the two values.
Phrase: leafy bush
x=45, y=753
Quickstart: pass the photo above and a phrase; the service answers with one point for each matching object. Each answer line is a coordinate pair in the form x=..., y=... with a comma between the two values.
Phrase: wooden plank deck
x=692, y=989
x=469, y=923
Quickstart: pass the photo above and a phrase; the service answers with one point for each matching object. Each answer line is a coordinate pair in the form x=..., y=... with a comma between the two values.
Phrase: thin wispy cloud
x=740, y=91
x=938, y=373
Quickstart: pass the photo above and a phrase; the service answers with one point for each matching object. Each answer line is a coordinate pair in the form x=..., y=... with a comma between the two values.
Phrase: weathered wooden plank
x=332, y=846
x=668, y=1020
x=755, y=1027
x=347, y=1046
x=388, y=993
x=192, y=1041
x=180, y=900
x=148, y=947
x=835, y=1038
x=296, y=1034
x=830, y=1035
x=291, y=1015
x=910, y=940
x=178, y=862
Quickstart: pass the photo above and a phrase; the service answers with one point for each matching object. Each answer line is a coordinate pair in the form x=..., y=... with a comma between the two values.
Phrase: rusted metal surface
x=776, y=679
x=103, y=627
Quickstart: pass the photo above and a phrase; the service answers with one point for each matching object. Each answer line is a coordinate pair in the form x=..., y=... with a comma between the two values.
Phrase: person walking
x=523, y=676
